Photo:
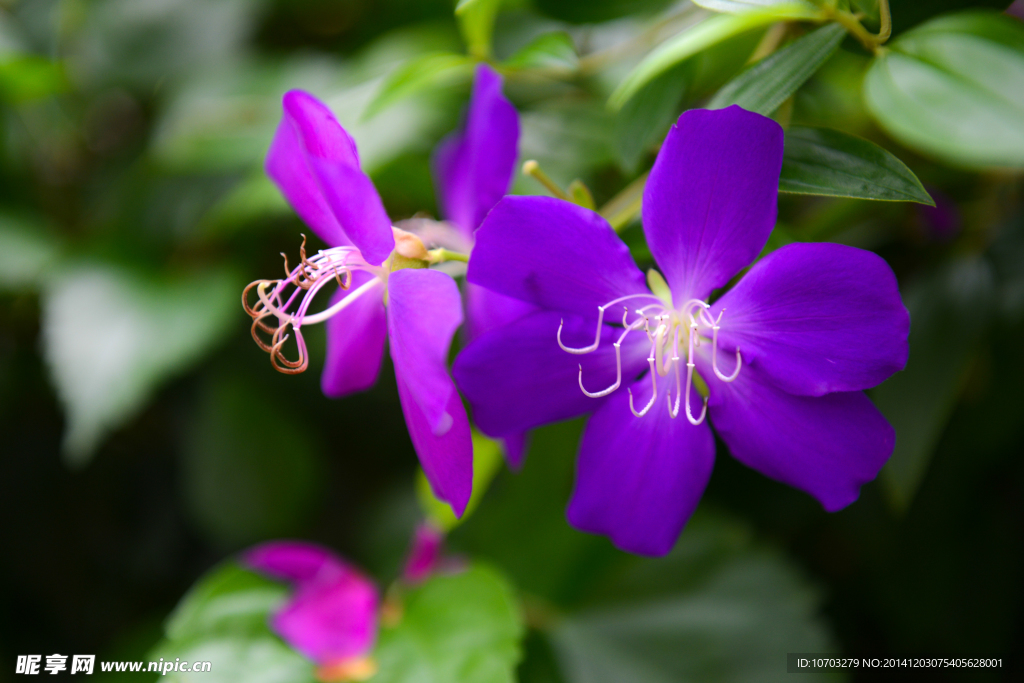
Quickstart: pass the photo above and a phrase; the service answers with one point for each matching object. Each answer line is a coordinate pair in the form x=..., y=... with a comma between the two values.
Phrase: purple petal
x=828, y=446
x=354, y=200
x=425, y=554
x=317, y=169
x=515, y=447
x=473, y=167
x=447, y=459
x=286, y=165
x=516, y=377
x=487, y=310
x=424, y=310
x=553, y=254
x=710, y=202
x=355, y=341
x=817, y=318
x=330, y=621
x=638, y=479
x=295, y=561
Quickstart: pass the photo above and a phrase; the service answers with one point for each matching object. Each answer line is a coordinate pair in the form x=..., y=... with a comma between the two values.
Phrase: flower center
x=288, y=300
x=670, y=332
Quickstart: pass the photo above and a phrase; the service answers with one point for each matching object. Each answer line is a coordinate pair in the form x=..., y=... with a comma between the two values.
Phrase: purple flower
x=782, y=357
x=385, y=293
x=425, y=555
x=331, y=616
x=473, y=169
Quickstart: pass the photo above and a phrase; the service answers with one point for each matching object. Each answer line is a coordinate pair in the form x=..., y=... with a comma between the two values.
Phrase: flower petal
x=286, y=165
x=330, y=621
x=638, y=479
x=828, y=446
x=473, y=167
x=355, y=341
x=355, y=203
x=553, y=254
x=487, y=310
x=321, y=151
x=710, y=202
x=425, y=553
x=515, y=447
x=818, y=318
x=294, y=561
x=516, y=377
x=424, y=310
x=447, y=458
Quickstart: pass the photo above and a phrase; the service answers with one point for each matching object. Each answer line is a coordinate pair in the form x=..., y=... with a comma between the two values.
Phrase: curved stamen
x=714, y=358
x=689, y=380
x=585, y=349
x=618, y=376
x=673, y=411
x=654, y=392
x=689, y=384
x=600, y=319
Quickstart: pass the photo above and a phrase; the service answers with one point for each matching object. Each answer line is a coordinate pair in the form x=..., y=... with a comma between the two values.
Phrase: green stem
x=532, y=169
x=442, y=255
x=623, y=207
x=869, y=40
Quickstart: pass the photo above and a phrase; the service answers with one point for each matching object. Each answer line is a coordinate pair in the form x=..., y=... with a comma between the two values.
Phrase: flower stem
x=532, y=169
x=441, y=255
x=623, y=207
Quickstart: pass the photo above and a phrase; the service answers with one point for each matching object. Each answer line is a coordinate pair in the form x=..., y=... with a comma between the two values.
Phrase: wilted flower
x=780, y=360
x=385, y=292
x=331, y=616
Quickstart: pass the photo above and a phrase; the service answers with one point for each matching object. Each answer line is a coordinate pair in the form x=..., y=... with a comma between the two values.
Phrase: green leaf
x=110, y=337
x=487, y=460
x=243, y=485
x=919, y=400
x=770, y=82
x=418, y=75
x=461, y=628
x=223, y=620
x=715, y=609
x=705, y=34
x=827, y=162
x=226, y=600
x=643, y=119
x=739, y=6
x=29, y=77
x=28, y=250
x=909, y=13
x=476, y=20
x=552, y=51
x=954, y=88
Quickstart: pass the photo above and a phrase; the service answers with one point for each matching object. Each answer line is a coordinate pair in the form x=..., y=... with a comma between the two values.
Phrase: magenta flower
x=425, y=555
x=473, y=169
x=385, y=293
x=779, y=361
x=331, y=617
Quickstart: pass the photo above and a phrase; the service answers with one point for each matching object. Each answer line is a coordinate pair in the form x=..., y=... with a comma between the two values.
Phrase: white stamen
x=689, y=381
x=618, y=376
x=654, y=393
x=714, y=353
x=597, y=333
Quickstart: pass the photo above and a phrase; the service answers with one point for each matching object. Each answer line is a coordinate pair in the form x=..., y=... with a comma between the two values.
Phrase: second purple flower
x=778, y=362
